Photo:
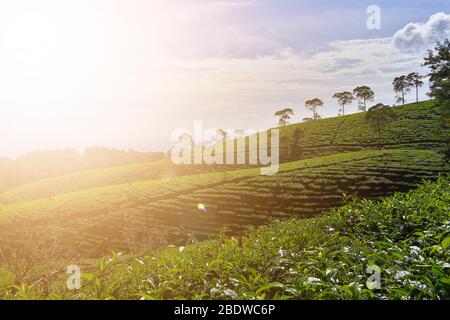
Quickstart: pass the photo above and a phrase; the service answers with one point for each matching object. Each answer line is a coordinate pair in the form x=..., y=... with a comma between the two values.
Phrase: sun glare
x=71, y=66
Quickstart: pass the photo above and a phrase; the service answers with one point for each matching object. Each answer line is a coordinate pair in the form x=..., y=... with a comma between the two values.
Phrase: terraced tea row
x=406, y=236
x=417, y=126
x=51, y=187
x=300, y=192
x=92, y=222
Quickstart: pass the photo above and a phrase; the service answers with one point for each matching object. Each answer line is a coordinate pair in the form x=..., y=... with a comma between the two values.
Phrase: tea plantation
x=406, y=238
x=94, y=221
x=416, y=126
x=238, y=234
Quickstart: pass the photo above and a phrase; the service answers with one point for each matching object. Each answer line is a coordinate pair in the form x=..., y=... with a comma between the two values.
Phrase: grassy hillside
x=53, y=222
x=46, y=188
x=157, y=212
x=417, y=126
x=406, y=237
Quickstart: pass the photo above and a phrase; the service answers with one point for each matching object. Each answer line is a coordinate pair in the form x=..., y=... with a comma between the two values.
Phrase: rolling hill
x=147, y=207
x=405, y=237
x=94, y=221
x=417, y=126
x=90, y=213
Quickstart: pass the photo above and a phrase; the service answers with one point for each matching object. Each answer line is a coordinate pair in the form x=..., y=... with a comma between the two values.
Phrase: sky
x=127, y=73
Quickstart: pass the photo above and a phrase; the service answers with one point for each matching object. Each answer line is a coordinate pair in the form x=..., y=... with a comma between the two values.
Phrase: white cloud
x=289, y=78
x=420, y=36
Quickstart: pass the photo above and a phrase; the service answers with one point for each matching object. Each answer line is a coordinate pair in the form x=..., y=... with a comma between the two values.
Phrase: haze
x=125, y=74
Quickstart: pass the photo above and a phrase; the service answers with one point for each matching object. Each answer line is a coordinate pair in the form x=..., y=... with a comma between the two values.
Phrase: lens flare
x=202, y=207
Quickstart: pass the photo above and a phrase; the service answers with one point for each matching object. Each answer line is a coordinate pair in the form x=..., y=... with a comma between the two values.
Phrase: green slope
x=92, y=222
x=417, y=126
x=406, y=238
x=151, y=205
x=45, y=188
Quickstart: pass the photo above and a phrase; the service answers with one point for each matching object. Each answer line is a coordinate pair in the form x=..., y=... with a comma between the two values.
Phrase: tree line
x=438, y=63
x=362, y=94
x=379, y=115
x=48, y=163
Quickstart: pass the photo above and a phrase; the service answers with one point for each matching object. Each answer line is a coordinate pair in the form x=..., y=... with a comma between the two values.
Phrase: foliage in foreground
x=407, y=236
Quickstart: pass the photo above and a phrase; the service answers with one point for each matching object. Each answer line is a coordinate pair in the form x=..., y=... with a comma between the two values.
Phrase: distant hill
x=417, y=126
x=50, y=187
x=51, y=163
